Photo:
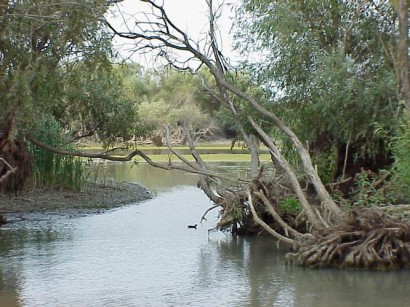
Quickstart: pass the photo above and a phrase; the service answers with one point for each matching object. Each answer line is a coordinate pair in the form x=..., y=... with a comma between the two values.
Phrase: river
x=144, y=255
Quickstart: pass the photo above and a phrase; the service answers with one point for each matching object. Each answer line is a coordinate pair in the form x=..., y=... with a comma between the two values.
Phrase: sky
x=189, y=15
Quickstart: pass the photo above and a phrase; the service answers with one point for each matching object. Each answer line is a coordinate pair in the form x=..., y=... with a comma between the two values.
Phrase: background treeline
x=328, y=68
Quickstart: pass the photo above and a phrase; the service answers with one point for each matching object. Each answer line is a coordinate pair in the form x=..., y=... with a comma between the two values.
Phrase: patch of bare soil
x=93, y=198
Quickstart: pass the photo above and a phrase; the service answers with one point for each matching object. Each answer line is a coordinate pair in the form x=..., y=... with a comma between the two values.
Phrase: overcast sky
x=189, y=15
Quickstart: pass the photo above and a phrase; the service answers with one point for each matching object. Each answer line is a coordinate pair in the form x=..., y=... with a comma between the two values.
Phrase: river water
x=144, y=255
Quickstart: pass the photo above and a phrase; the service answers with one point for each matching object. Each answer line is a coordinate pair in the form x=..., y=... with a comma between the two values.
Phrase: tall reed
x=53, y=170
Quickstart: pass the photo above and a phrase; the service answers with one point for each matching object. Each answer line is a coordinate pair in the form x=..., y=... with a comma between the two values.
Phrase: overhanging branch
x=129, y=157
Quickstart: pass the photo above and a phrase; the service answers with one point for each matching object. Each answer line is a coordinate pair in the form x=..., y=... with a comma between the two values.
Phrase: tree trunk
x=402, y=54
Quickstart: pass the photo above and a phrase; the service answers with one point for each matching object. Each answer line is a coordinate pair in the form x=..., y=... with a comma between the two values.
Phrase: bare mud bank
x=33, y=204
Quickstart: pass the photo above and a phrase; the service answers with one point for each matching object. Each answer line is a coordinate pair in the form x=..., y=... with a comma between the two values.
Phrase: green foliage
x=60, y=67
x=170, y=98
x=48, y=33
x=237, y=212
x=367, y=192
x=324, y=68
x=290, y=205
x=52, y=170
x=401, y=165
x=325, y=163
x=97, y=101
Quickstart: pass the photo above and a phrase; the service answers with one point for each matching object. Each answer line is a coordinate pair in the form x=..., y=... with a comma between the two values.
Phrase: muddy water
x=144, y=255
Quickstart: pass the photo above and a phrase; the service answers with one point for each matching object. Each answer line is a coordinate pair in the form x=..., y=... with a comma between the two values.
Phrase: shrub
x=290, y=205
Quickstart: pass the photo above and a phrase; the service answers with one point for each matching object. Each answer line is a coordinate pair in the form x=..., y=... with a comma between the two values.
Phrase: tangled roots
x=365, y=239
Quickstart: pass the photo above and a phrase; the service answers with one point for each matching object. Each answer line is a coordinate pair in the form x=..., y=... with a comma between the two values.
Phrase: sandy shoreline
x=93, y=198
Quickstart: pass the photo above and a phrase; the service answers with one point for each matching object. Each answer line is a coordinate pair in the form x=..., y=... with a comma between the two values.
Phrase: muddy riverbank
x=93, y=198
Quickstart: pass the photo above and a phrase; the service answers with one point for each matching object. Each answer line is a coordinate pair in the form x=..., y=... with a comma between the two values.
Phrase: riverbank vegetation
x=327, y=97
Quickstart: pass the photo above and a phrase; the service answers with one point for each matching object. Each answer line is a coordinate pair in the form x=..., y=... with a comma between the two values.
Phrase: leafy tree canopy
x=329, y=68
x=55, y=60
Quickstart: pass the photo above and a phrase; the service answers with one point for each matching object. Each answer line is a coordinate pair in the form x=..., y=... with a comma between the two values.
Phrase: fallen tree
x=323, y=234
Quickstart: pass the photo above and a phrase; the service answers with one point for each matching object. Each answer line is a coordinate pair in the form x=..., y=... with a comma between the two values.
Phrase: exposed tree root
x=365, y=239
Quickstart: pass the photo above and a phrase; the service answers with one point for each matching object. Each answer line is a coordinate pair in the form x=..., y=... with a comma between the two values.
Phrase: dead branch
x=346, y=156
x=333, y=184
x=162, y=36
x=6, y=163
x=7, y=174
x=288, y=170
x=207, y=211
x=161, y=40
x=265, y=226
x=268, y=205
x=11, y=170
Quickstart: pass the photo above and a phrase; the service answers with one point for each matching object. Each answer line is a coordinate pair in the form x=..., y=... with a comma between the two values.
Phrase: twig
x=346, y=156
x=207, y=211
x=7, y=164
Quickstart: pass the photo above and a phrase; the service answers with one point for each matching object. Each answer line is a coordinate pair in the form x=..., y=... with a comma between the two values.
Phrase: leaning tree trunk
x=323, y=194
x=291, y=174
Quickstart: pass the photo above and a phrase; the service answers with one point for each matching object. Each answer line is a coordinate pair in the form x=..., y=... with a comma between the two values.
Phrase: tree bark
x=402, y=53
x=291, y=175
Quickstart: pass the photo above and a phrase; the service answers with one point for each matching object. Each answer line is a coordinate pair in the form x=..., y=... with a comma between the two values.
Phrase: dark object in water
x=3, y=220
x=192, y=226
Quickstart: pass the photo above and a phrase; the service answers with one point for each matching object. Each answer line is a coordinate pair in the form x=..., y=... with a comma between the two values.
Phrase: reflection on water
x=157, y=179
x=154, y=179
x=144, y=255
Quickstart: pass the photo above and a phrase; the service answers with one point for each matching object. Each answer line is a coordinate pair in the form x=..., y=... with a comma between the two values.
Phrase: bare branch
x=265, y=226
x=162, y=36
x=276, y=216
x=8, y=173
x=207, y=211
x=288, y=170
x=11, y=170
x=6, y=163
x=129, y=157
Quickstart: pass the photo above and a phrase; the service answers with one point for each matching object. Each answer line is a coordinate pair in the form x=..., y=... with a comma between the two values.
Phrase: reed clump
x=52, y=170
